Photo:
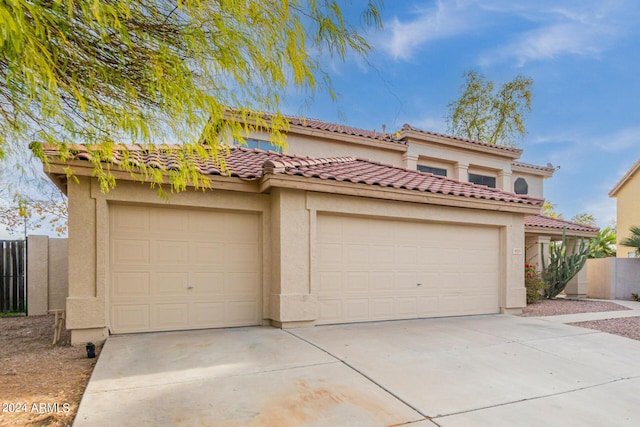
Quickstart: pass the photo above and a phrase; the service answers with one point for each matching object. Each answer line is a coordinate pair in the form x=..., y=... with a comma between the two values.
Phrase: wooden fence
x=12, y=276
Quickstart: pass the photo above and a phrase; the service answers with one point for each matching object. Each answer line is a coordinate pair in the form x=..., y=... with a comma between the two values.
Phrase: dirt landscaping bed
x=40, y=384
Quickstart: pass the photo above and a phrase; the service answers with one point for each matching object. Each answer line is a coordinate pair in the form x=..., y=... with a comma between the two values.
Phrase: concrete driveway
x=467, y=371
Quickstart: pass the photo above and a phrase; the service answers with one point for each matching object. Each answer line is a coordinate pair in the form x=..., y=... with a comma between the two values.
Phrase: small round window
x=521, y=186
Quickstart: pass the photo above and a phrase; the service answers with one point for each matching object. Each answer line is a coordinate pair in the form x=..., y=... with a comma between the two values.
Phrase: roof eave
x=58, y=169
x=422, y=137
x=532, y=170
x=627, y=176
x=547, y=231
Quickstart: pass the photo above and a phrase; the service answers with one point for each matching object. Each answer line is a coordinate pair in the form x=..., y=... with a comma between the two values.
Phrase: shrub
x=533, y=283
x=635, y=297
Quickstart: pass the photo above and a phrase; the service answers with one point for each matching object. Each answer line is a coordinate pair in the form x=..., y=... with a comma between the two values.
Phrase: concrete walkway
x=466, y=371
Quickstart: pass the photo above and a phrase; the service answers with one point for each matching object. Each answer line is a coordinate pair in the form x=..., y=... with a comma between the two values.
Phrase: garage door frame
x=263, y=273
x=318, y=203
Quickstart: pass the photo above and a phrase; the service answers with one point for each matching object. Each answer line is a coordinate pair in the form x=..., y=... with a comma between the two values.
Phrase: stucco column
x=512, y=245
x=291, y=302
x=578, y=285
x=534, y=245
x=461, y=172
x=410, y=161
x=504, y=181
x=86, y=316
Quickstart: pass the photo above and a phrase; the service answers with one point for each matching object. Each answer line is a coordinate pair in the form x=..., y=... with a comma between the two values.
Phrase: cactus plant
x=562, y=265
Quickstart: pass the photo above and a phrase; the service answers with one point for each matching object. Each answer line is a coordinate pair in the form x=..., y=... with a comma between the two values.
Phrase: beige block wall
x=47, y=274
x=613, y=278
x=628, y=212
x=58, y=273
x=37, y=275
x=599, y=278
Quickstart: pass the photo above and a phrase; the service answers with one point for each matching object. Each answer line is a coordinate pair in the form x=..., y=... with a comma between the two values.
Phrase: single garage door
x=373, y=269
x=173, y=269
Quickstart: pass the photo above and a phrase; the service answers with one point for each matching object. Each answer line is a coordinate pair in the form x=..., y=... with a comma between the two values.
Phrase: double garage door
x=373, y=269
x=173, y=269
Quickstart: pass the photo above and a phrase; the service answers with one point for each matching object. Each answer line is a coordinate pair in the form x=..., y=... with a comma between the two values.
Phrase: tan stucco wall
x=535, y=183
x=457, y=161
x=317, y=146
x=463, y=162
x=87, y=304
x=628, y=211
x=288, y=237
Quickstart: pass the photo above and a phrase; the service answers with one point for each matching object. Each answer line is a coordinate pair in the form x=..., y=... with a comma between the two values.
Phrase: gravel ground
x=554, y=307
x=628, y=327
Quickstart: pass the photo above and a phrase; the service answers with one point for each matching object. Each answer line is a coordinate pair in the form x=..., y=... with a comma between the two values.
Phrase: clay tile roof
x=465, y=140
x=541, y=221
x=252, y=164
x=346, y=130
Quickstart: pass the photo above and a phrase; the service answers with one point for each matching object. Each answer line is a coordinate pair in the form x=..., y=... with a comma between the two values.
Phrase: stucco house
x=626, y=193
x=349, y=226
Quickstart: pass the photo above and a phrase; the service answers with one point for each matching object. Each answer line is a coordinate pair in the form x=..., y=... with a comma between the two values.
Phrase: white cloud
x=553, y=41
x=580, y=28
x=620, y=140
x=401, y=39
x=573, y=28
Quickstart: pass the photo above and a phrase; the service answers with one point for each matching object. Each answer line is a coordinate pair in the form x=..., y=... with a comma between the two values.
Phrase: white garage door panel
x=372, y=269
x=174, y=269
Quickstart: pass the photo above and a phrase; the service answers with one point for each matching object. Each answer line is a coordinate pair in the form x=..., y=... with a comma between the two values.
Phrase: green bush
x=533, y=283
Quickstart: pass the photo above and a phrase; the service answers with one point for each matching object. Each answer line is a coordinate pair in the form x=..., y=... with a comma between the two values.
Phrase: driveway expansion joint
x=433, y=418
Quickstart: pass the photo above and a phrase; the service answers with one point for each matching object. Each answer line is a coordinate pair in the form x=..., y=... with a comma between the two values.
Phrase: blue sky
x=584, y=58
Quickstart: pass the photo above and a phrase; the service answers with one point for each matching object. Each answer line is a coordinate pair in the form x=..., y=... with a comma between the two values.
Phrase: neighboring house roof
x=253, y=164
x=627, y=176
x=546, y=224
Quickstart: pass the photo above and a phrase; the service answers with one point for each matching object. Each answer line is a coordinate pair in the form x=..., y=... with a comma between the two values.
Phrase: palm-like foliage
x=633, y=241
x=603, y=245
